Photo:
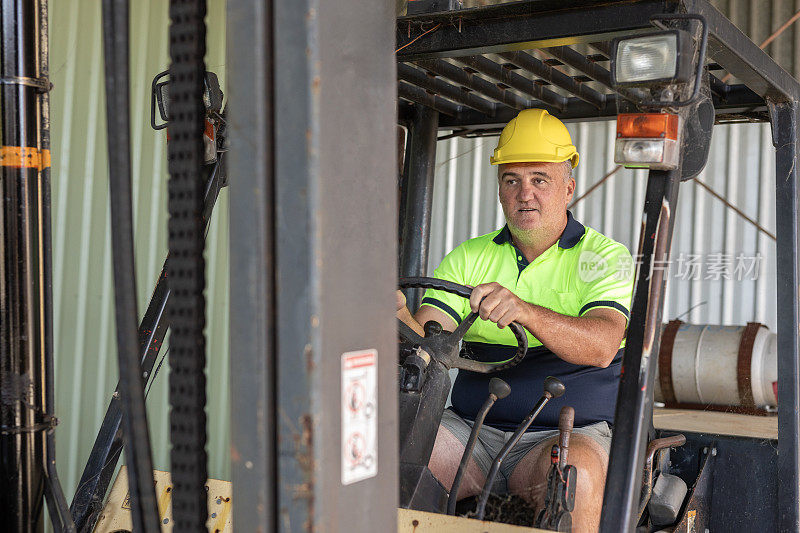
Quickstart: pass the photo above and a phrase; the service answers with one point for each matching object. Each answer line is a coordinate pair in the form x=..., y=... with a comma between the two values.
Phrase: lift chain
x=186, y=266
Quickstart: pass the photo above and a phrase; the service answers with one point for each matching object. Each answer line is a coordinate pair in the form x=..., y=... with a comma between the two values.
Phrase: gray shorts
x=491, y=440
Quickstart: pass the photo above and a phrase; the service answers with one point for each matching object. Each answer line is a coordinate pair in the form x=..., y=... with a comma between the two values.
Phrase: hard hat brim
x=535, y=158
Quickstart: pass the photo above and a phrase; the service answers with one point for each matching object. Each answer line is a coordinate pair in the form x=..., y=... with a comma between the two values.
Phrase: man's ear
x=570, y=189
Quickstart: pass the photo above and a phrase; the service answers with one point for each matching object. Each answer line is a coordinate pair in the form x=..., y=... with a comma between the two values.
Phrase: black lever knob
x=432, y=328
x=499, y=388
x=553, y=387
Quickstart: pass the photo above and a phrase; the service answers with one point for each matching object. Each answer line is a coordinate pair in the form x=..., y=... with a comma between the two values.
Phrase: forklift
x=477, y=69
x=313, y=234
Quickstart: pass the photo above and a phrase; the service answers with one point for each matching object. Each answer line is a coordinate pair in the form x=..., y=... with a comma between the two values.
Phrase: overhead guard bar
x=555, y=76
x=512, y=79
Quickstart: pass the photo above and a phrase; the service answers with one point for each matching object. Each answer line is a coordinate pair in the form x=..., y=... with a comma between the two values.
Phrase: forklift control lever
x=559, y=500
x=565, y=422
x=498, y=389
x=553, y=388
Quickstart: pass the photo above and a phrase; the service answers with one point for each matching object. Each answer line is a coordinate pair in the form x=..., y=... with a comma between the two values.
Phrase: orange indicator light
x=647, y=126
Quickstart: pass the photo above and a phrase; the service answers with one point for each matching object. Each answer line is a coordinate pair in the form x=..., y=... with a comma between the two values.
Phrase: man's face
x=535, y=196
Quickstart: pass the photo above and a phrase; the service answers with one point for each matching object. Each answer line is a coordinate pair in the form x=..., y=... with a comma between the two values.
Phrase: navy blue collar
x=573, y=232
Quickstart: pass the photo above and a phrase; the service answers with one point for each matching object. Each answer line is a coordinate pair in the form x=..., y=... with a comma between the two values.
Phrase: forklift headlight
x=663, y=57
x=642, y=151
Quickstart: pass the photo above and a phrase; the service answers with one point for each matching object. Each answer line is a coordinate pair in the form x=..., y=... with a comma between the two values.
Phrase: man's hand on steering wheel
x=444, y=346
x=494, y=302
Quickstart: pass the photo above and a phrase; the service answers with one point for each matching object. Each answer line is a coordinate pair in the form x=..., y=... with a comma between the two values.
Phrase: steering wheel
x=443, y=346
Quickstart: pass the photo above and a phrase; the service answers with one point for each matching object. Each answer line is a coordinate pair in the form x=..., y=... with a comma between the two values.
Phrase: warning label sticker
x=359, y=415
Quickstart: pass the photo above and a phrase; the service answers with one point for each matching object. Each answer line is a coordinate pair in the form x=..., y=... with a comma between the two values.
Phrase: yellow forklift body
x=410, y=521
x=116, y=514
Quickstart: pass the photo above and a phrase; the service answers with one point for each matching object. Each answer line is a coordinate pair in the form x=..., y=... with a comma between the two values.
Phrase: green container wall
x=85, y=340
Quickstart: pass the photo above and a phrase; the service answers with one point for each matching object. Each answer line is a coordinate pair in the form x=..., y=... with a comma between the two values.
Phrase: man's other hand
x=401, y=300
x=494, y=302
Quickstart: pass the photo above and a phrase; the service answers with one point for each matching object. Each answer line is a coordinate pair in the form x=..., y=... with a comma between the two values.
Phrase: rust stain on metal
x=304, y=442
x=308, y=353
x=315, y=85
x=235, y=455
x=304, y=455
x=660, y=255
x=665, y=360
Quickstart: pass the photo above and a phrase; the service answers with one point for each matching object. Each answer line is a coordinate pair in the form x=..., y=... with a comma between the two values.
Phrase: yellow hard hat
x=535, y=136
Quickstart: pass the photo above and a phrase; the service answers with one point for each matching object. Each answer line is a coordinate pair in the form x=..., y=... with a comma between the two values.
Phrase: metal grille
x=480, y=67
x=476, y=92
x=186, y=266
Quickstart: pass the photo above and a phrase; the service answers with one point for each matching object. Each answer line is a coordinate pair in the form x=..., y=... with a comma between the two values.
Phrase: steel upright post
x=252, y=315
x=417, y=201
x=23, y=415
x=784, y=136
x=336, y=264
x=635, y=397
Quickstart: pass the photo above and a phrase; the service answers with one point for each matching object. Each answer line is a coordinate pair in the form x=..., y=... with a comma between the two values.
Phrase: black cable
x=144, y=509
x=56, y=502
x=186, y=266
x=155, y=373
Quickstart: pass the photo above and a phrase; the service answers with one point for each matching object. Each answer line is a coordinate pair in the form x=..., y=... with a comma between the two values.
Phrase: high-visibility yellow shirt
x=584, y=270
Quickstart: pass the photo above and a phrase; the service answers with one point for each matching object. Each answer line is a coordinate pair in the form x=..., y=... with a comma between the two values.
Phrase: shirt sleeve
x=607, y=276
x=452, y=268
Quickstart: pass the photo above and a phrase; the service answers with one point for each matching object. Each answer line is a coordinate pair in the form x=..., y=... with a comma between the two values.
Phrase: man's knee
x=592, y=463
x=529, y=478
x=445, y=458
x=443, y=465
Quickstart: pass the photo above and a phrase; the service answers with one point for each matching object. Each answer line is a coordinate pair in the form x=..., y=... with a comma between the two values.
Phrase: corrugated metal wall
x=85, y=351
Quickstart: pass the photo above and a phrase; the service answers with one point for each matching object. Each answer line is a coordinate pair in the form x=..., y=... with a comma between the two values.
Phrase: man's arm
x=592, y=339
x=423, y=315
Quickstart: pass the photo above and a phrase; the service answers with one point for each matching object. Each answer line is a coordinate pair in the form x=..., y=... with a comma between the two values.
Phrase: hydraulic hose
x=144, y=509
x=56, y=502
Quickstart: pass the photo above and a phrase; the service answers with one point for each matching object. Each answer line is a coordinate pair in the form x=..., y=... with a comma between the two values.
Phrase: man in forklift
x=571, y=288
